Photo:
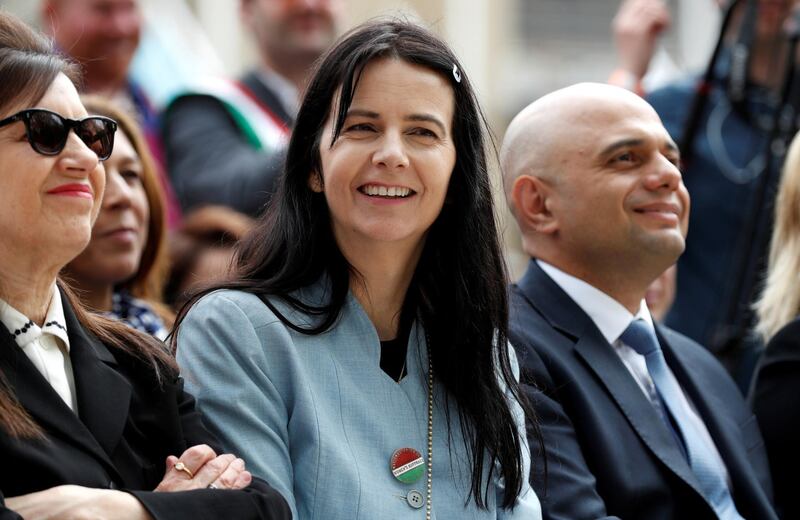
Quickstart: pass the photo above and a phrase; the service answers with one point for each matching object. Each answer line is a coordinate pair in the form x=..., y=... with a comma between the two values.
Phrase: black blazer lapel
x=567, y=316
x=103, y=394
x=552, y=302
x=42, y=402
x=638, y=410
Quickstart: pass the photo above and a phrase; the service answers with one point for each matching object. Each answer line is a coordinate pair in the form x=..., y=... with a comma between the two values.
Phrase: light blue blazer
x=317, y=417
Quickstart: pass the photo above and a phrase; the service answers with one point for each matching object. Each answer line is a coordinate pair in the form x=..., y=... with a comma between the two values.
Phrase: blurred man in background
x=103, y=35
x=225, y=139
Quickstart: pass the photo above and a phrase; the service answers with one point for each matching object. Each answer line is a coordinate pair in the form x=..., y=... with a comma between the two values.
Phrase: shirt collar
x=24, y=330
x=610, y=316
x=283, y=89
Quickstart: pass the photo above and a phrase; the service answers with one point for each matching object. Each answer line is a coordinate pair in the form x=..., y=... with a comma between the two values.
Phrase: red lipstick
x=83, y=191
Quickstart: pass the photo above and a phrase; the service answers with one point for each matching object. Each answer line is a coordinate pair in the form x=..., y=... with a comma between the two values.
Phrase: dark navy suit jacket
x=608, y=453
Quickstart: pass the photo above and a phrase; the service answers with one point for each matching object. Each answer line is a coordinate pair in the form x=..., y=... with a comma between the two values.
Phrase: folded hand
x=203, y=468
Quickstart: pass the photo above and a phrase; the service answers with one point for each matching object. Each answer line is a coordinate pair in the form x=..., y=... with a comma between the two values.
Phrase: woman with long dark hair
x=90, y=409
x=359, y=356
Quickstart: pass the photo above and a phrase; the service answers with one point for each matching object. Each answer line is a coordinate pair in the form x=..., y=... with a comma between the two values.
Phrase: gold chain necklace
x=405, y=462
x=402, y=371
x=430, y=430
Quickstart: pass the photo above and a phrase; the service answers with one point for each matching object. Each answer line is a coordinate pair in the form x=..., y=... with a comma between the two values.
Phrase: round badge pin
x=407, y=465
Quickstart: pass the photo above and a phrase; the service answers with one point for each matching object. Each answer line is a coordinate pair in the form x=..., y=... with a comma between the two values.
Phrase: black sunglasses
x=47, y=131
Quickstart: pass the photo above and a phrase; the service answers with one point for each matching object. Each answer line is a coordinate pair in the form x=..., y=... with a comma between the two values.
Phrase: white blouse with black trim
x=47, y=346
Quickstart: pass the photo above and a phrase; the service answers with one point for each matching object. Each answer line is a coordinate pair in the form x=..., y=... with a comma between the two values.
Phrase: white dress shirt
x=47, y=346
x=612, y=318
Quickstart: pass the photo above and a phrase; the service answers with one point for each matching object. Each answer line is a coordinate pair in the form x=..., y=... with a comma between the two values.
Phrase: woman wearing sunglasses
x=122, y=271
x=94, y=422
x=359, y=356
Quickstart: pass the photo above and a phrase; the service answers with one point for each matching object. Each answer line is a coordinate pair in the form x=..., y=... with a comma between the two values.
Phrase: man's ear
x=532, y=204
x=315, y=182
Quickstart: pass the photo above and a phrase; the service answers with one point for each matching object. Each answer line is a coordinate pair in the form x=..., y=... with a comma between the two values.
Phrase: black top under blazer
x=776, y=403
x=608, y=453
x=125, y=427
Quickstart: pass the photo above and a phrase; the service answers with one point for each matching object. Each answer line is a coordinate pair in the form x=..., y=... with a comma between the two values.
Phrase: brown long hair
x=28, y=66
x=149, y=280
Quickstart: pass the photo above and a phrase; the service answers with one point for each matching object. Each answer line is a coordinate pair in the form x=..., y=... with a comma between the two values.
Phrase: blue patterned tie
x=641, y=338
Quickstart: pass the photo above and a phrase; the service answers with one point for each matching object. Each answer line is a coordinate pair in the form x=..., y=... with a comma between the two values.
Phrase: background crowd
x=200, y=164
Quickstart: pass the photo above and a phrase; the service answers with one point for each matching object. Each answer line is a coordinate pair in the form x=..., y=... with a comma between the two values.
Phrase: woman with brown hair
x=122, y=270
x=90, y=409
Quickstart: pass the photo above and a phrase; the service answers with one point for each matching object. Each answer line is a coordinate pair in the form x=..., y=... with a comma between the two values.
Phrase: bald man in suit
x=638, y=421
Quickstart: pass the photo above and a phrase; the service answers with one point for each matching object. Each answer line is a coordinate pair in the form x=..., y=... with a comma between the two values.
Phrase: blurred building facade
x=514, y=50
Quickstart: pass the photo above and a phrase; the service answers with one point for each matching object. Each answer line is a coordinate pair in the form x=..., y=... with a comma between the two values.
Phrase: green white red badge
x=407, y=465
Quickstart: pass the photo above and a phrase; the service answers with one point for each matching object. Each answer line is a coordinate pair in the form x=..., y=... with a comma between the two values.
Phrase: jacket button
x=415, y=499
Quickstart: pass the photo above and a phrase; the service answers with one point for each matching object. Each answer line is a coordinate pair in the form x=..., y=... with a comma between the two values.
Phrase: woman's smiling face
x=386, y=177
x=49, y=203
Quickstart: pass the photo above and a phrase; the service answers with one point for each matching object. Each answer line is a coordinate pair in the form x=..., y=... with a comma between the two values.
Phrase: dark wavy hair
x=458, y=290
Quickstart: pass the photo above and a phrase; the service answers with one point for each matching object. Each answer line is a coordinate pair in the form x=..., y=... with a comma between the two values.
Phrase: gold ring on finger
x=180, y=466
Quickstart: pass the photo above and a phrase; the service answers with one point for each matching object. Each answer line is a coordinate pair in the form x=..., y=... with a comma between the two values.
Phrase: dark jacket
x=776, y=403
x=126, y=426
x=209, y=158
x=609, y=454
